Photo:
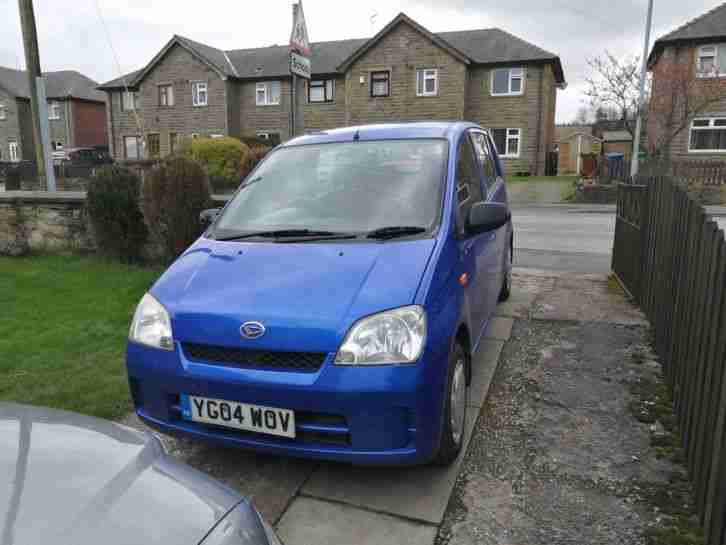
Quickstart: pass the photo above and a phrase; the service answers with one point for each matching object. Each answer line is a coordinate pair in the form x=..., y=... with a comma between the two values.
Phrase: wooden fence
x=672, y=257
x=699, y=172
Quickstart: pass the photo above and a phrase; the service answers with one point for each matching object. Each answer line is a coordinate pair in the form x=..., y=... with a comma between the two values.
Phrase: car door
x=471, y=247
x=492, y=258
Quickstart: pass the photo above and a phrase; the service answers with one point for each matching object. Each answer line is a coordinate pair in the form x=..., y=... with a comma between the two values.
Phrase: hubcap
x=458, y=401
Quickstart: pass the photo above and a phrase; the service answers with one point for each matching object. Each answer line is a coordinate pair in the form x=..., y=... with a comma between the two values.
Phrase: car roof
x=388, y=131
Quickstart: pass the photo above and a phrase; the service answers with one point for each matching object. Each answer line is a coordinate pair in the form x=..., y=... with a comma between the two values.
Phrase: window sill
x=322, y=103
x=200, y=105
x=430, y=95
x=509, y=156
x=502, y=95
x=266, y=105
x=706, y=151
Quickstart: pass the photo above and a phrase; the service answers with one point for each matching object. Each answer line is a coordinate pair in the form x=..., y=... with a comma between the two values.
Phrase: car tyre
x=506, y=290
x=452, y=435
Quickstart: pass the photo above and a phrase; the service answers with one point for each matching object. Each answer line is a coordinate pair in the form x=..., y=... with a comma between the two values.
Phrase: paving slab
x=309, y=521
x=484, y=365
x=418, y=493
x=499, y=328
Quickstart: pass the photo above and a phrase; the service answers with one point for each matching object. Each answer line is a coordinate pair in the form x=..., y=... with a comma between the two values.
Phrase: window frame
x=489, y=180
x=522, y=78
x=157, y=139
x=134, y=101
x=266, y=87
x=372, y=76
x=169, y=95
x=324, y=81
x=716, y=72
x=3, y=112
x=173, y=141
x=13, y=152
x=424, y=78
x=196, y=103
x=139, y=147
x=54, y=110
x=711, y=127
x=461, y=211
x=507, y=138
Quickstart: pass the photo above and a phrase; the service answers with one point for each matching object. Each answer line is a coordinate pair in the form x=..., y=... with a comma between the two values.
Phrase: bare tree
x=583, y=116
x=614, y=84
x=679, y=95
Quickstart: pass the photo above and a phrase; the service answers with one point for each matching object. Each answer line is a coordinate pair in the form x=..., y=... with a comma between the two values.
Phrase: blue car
x=332, y=308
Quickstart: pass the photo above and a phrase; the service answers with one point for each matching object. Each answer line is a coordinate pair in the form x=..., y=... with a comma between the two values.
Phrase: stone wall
x=43, y=222
x=39, y=221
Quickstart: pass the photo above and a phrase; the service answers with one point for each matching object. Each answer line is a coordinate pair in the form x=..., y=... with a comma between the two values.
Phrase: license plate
x=240, y=416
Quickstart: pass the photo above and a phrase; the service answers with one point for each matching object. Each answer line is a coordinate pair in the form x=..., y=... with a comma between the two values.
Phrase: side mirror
x=487, y=216
x=207, y=217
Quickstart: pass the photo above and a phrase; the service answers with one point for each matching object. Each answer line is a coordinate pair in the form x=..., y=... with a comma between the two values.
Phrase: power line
x=139, y=121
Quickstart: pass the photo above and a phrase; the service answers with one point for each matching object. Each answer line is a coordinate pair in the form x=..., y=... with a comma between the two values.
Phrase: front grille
x=241, y=358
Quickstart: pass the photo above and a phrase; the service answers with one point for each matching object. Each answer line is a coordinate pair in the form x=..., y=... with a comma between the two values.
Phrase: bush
x=256, y=155
x=113, y=206
x=174, y=193
x=222, y=158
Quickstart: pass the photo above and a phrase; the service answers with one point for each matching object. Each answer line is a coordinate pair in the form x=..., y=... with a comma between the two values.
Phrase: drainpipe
x=539, y=120
x=579, y=154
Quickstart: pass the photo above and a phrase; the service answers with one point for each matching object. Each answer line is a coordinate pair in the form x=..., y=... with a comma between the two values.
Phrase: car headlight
x=151, y=325
x=393, y=336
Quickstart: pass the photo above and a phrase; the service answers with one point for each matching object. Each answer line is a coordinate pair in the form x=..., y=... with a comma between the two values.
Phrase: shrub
x=256, y=155
x=113, y=206
x=222, y=158
x=174, y=193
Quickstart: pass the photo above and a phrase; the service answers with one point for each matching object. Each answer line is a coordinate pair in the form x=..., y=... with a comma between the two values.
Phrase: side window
x=489, y=173
x=468, y=186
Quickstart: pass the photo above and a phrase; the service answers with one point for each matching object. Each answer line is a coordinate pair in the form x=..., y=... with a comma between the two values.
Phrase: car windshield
x=351, y=187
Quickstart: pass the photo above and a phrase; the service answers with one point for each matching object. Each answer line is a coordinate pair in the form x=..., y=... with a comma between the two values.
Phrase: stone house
x=76, y=113
x=403, y=73
x=691, y=61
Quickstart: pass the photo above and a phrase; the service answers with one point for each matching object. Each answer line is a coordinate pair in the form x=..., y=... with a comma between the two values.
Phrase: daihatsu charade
x=332, y=308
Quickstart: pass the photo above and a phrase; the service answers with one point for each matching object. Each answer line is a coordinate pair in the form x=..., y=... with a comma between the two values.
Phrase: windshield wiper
x=286, y=233
x=385, y=233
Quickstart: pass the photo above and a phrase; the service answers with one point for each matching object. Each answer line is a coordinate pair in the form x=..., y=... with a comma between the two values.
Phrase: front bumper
x=386, y=415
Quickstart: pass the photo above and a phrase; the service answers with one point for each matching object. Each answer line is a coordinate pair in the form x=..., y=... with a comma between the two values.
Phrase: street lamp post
x=641, y=99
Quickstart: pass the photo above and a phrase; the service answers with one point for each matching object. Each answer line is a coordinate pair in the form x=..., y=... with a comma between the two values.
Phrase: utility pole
x=641, y=100
x=32, y=64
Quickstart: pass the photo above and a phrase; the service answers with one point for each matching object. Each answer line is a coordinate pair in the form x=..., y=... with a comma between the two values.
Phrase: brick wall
x=10, y=130
x=403, y=51
x=532, y=113
x=89, y=123
x=678, y=150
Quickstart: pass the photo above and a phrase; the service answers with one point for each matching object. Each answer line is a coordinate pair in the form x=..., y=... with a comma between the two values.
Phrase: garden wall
x=39, y=221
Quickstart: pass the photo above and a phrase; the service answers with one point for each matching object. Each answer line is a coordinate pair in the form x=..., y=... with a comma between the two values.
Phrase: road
x=565, y=238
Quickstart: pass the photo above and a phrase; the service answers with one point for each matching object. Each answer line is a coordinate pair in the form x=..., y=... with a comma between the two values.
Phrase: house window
x=54, y=111
x=2, y=112
x=200, y=93
x=129, y=100
x=507, y=82
x=507, y=141
x=13, y=149
x=173, y=137
x=381, y=83
x=268, y=93
x=166, y=95
x=427, y=82
x=153, y=145
x=708, y=135
x=711, y=61
x=132, y=147
x=321, y=90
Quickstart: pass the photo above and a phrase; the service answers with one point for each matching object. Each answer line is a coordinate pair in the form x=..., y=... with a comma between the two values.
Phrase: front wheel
x=452, y=436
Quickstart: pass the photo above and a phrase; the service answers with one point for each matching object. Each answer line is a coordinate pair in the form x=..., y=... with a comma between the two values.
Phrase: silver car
x=69, y=479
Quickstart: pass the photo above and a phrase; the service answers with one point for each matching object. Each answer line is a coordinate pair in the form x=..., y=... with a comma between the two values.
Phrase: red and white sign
x=299, y=41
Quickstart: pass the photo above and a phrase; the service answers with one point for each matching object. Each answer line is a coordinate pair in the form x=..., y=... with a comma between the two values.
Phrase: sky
x=128, y=33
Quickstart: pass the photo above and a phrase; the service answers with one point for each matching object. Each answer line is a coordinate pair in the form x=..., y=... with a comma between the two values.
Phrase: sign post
x=300, y=66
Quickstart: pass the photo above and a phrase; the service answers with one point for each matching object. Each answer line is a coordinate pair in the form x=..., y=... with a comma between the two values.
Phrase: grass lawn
x=63, y=328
